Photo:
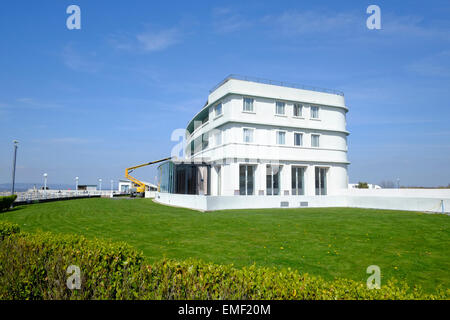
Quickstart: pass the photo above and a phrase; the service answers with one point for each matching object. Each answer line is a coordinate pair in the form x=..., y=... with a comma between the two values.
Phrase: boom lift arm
x=141, y=185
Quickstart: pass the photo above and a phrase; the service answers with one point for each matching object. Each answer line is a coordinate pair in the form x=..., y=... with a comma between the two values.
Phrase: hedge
x=7, y=229
x=33, y=266
x=7, y=201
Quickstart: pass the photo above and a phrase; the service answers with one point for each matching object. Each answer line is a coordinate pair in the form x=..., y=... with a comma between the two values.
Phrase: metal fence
x=276, y=83
x=36, y=195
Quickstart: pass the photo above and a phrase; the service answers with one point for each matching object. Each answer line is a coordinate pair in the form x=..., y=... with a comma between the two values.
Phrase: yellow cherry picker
x=139, y=189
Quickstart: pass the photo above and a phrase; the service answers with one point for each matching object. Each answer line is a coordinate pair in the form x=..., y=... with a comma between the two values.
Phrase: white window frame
x=218, y=133
x=252, y=130
x=280, y=168
x=311, y=112
x=302, y=140
x=295, y=167
x=243, y=105
x=215, y=109
x=302, y=107
x=318, y=140
x=278, y=132
x=276, y=108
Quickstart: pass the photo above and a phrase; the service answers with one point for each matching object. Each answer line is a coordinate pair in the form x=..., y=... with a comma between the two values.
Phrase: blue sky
x=91, y=102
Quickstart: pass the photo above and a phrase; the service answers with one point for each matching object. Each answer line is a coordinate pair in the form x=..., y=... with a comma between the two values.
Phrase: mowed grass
x=330, y=242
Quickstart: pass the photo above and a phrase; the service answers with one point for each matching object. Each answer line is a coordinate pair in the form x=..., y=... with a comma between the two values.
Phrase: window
x=272, y=180
x=314, y=112
x=298, y=110
x=248, y=135
x=315, y=140
x=280, y=108
x=281, y=137
x=218, y=137
x=246, y=180
x=205, y=141
x=298, y=174
x=248, y=105
x=298, y=139
x=321, y=181
x=218, y=109
x=219, y=180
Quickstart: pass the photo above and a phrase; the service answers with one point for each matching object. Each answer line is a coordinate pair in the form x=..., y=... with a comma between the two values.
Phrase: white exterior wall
x=232, y=151
x=426, y=202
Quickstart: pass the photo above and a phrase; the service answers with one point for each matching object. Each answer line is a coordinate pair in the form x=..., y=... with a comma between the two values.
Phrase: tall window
x=205, y=141
x=273, y=180
x=298, y=139
x=280, y=108
x=314, y=112
x=315, y=140
x=298, y=110
x=246, y=180
x=281, y=137
x=248, y=135
x=218, y=109
x=298, y=174
x=248, y=105
x=218, y=137
x=219, y=180
x=321, y=181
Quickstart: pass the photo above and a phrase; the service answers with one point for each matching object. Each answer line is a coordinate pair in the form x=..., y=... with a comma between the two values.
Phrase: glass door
x=297, y=174
x=321, y=181
x=272, y=180
x=246, y=180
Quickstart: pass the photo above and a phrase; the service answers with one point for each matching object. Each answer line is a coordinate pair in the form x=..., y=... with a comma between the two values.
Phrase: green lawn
x=331, y=242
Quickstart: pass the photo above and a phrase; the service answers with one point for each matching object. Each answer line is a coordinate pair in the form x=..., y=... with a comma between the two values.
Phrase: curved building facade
x=267, y=138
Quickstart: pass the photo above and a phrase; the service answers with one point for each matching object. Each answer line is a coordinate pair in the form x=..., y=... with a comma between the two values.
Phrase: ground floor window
x=219, y=180
x=321, y=181
x=246, y=180
x=298, y=180
x=273, y=180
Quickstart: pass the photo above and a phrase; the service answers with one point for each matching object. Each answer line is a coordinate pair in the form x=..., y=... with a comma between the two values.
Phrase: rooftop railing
x=276, y=83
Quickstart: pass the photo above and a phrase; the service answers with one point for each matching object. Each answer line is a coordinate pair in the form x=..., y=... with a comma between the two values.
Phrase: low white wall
x=150, y=194
x=399, y=203
x=182, y=200
x=414, y=193
x=428, y=203
x=258, y=202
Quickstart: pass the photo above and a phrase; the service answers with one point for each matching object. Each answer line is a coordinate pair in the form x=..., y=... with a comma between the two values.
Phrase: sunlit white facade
x=271, y=139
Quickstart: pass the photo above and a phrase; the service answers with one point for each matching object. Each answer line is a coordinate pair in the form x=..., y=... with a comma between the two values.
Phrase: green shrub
x=7, y=229
x=362, y=185
x=33, y=266
x=7, y=201
x=193, y=279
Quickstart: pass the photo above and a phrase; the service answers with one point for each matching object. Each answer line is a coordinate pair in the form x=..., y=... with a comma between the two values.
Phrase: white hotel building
x=265, y=138
x=265, y=144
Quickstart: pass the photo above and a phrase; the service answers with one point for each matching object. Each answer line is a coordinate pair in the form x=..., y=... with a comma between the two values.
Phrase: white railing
x=276, y=83
x=33, y=195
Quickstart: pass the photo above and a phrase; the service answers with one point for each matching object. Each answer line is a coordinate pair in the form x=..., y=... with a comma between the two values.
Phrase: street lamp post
x=14, y=166
x=100, y=182
x=45, y=184
x=76, y=185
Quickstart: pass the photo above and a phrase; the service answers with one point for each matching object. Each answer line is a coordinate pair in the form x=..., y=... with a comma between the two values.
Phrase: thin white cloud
x=31, y=103
x=68, y=140
x=78, y=61
x=151, y=40
x=296, y=23
x=352, y=26
x=158, y=40
x=437, y=65
x=226, y=20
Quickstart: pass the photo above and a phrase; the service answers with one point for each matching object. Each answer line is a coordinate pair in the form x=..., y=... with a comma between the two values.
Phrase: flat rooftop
x=275, y=83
